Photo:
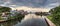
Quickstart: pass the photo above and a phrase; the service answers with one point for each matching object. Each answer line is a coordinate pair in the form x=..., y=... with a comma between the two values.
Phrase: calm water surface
x=29, y=20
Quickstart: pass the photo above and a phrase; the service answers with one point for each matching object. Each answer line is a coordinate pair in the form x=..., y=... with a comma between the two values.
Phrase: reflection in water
x=29, y=20
x=10, y=22
x=32, y=20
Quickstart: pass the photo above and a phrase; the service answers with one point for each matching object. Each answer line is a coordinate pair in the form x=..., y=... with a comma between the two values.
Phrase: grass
x=49, y=17
x=55, y=21
x=1, y=18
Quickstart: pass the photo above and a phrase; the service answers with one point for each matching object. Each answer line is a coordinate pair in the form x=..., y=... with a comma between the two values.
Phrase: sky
x=30, y=3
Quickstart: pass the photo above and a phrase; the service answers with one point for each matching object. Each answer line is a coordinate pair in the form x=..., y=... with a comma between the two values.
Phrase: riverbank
x=16, y=18
x=49, y=22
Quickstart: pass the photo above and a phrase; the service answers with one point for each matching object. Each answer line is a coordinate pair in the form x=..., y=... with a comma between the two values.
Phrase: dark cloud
x=30, y=3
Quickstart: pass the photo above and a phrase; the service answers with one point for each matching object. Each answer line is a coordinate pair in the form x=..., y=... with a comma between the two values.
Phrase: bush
x=1, y=18
x=17, y=16
x=55, y=14
x=5, y=9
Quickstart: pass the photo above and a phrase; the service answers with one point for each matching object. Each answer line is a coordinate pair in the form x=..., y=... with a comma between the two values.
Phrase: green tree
x=5, y=9
x=55, y=13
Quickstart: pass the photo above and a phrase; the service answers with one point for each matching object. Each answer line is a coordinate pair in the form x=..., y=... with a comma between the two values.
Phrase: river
x=28, y=20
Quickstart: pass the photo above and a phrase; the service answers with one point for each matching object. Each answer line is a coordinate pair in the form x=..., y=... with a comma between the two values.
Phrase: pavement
x=50, y=22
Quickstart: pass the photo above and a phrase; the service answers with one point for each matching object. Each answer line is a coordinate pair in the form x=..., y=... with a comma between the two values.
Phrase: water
x=28, y=20
x=10, y=23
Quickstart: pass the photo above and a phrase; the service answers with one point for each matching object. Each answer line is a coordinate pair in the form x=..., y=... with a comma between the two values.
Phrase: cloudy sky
x=30, y=3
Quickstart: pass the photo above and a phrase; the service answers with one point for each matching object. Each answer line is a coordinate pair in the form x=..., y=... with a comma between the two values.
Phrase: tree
x=55, y=13
x=5, y=9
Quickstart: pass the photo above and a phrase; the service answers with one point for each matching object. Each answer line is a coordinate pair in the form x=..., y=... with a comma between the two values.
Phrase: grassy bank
x=20, y=17
x=55, y=21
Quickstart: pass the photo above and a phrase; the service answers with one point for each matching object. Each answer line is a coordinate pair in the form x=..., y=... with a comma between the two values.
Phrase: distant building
x=33, y=9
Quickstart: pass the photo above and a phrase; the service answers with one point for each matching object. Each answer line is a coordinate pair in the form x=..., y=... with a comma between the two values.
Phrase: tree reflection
x=10, y=22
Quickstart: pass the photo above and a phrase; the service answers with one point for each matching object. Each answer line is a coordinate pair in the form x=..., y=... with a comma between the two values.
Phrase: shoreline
x=2, y=21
